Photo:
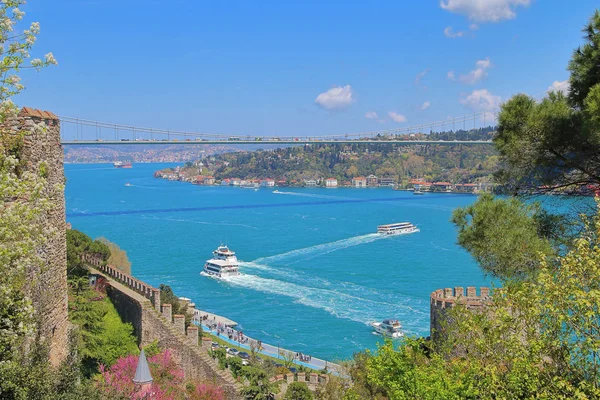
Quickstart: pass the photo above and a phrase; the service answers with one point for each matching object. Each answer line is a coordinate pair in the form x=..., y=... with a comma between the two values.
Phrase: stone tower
x=443, y=299
x=47, y=283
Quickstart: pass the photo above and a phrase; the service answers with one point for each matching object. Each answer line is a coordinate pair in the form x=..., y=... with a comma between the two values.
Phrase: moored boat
x=121, y=164
x=388, y=327
x=398, y=228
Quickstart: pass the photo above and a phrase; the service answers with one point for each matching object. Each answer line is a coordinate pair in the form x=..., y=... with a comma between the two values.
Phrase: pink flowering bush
x=168, y=383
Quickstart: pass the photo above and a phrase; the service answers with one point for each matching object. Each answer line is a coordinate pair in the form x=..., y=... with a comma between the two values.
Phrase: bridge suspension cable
x=167, y=134
x=100, y=126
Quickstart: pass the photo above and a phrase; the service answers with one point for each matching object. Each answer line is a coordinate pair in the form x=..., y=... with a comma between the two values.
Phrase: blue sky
x=296, y=67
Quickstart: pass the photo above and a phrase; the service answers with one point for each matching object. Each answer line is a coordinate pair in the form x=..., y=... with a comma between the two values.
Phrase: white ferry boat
x=389, y=327
x=398, y=228
x=223, y=264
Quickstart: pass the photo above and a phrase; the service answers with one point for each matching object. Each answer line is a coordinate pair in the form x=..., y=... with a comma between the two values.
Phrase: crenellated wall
x=139, y=304
x=312, y=380
x=442, y=299
x=47, y=283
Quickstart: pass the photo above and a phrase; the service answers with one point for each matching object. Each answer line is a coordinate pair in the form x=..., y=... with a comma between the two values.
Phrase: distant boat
x=121, y=164
x=398, y=228
x=128, y=184
x=418, y=192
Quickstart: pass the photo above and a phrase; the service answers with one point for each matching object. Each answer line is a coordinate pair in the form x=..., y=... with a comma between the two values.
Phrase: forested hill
x=455, y=163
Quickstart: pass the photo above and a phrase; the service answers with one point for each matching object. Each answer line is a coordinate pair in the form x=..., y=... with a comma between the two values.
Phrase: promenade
x=246, y=342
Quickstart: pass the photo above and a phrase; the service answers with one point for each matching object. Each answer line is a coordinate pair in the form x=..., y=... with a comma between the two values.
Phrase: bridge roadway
x=263, y=142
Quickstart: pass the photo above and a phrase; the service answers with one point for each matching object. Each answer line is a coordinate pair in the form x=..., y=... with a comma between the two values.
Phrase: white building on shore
x=267, y=183
x=359, y=182
x=331, y=183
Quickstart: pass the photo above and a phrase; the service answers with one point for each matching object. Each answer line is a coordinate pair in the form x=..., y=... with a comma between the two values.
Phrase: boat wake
x=337, y=303
x=323, y=248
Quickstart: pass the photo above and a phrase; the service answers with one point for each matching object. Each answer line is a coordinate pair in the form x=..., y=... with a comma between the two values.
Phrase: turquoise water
x=313, y=272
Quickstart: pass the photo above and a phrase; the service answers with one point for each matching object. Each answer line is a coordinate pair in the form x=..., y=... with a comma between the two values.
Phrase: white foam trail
x=339, y=304
x=323, y=248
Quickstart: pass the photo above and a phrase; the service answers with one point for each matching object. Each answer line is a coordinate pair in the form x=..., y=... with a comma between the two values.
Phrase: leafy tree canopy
x=504, y=235
x=555, y=144
x=298, y=391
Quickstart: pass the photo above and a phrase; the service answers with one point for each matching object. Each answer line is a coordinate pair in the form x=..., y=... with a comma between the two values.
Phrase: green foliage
x=406, y=373
x=31, y=377
x=259, y=387
x=118, y=257
x=585, y=63
x=168, y=297
x=78, y=244
x=298, y=391
x=504, y=235
x=235, y=366
x=152, y=349
x=221, y=357
x=554, y=144
x=103, y=336
x=345, y=161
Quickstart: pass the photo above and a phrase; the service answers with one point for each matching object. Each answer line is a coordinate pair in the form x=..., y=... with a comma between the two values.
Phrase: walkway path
x=213, y=318
x=276, y=352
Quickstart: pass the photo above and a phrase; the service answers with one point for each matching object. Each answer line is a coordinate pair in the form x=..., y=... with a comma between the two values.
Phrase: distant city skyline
x=297, y=68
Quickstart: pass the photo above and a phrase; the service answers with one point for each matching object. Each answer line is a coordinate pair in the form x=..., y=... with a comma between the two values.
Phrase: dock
x=212, y=319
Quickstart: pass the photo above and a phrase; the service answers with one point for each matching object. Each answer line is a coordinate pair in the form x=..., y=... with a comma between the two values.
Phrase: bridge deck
x=267, y=142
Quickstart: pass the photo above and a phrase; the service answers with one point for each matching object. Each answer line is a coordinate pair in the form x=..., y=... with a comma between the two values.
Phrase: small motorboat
x=388, y=327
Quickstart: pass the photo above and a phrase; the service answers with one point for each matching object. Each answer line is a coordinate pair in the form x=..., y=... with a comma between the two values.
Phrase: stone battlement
x=149, y=292
x=312, y=380
x=446, y=298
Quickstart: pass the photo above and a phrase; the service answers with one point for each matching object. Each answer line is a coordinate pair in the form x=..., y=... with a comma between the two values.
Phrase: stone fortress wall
x=47, y=283
x=139, y=304
x=443, y=299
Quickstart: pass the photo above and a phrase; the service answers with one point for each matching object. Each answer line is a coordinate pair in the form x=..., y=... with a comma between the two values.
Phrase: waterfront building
x=387, y=181
x=372, y=180
x=226, y=182
x=209, y=180
x=359, y=182
x=282, y=182
x=331, y=182
x=442, y=187
x=236, y=181
x=420, y=186
x=267, y=183
x=310, y=183
x=199, y=180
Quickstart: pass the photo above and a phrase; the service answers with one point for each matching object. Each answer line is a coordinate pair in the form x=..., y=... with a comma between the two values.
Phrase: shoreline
x=263, y=348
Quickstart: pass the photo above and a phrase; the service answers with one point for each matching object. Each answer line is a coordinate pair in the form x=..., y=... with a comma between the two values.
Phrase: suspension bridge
x=85, y=132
